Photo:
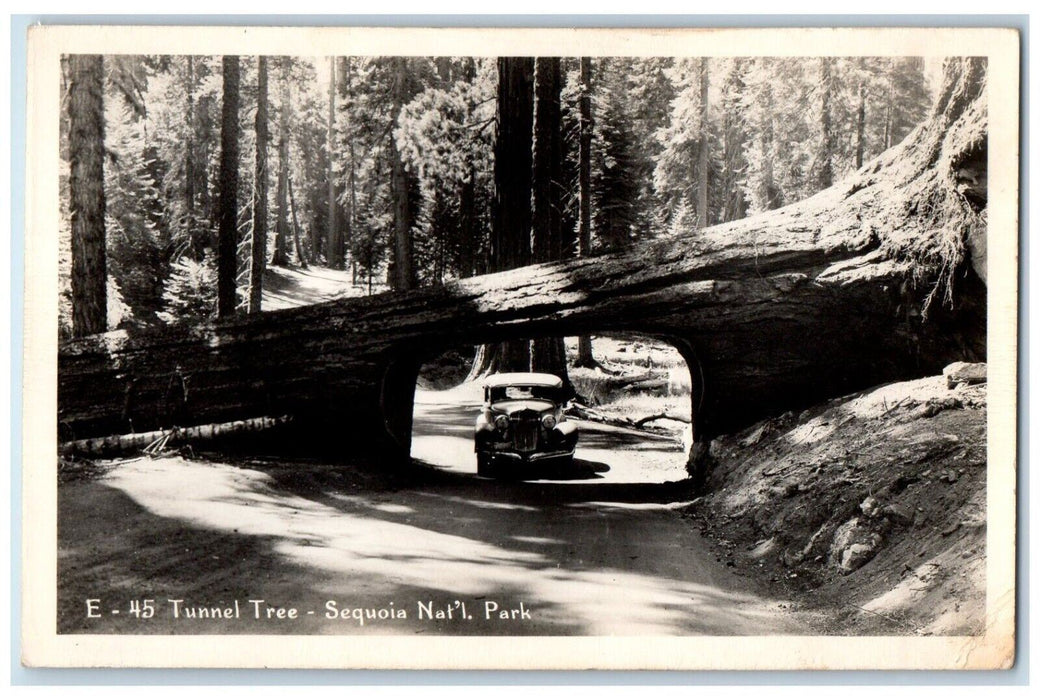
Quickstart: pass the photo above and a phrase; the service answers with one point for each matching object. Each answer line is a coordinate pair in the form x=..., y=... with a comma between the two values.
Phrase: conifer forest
x=186, y=176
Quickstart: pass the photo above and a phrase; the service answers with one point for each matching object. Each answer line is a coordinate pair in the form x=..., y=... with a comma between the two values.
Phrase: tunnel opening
x=630, y=399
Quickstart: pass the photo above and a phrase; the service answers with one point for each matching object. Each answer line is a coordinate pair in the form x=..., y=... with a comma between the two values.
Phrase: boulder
x=965, y=373
x=854, y=544
x=856, y=556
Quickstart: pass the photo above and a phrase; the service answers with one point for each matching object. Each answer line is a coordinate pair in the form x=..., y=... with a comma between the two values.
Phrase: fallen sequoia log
x=868, y=281
x=158, y=440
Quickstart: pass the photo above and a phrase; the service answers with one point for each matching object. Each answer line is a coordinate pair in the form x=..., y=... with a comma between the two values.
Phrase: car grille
x=525, y=434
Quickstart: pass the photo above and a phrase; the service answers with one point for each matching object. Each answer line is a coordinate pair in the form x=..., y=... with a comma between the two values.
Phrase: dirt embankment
x=871, y=508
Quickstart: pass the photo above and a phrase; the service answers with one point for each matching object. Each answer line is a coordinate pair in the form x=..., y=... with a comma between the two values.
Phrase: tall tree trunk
x=331, y=225
x=548, y=354
x=467, y=225
x=861, y=122
x=548, y=160
x=468, y=244
x=404, y=266
x=87, y=194
x=259, y=243
x=312, y=197
x=511, y=222
x=888, y=126
x=228, y=230
x=585, y=358
x=826, y=154
x=702, y=150
x=345, y=212
x=511, y=209
x=300, y=257
x=189, y=149
x=352, y=214
x=281, y=227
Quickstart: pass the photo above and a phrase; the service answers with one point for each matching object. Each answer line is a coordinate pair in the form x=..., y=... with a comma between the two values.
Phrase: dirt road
x=364, y=551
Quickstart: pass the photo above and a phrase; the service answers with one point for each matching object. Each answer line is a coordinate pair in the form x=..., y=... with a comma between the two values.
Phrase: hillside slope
x=870, y=508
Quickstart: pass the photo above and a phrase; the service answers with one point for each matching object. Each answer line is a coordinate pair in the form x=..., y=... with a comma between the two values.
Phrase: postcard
x=520, y=348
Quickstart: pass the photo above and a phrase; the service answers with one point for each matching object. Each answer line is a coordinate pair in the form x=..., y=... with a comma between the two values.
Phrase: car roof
x=523, y=379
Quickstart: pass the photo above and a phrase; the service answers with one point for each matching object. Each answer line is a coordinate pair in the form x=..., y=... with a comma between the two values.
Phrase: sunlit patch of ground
x=288, y=287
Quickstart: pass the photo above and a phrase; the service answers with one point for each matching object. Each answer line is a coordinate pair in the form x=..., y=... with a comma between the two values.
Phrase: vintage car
x=522, y=424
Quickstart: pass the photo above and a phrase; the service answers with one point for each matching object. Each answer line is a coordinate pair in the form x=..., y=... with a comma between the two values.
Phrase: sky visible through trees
x=385, y=166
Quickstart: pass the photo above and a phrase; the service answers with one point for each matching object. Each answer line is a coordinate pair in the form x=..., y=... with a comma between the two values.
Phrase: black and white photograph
x=498, y=344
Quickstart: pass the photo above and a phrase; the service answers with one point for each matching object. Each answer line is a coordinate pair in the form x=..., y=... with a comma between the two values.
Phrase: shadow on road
x=588, y=558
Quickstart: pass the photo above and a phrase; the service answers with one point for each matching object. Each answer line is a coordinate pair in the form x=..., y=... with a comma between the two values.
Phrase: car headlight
x=502, y=423
x=549, y=421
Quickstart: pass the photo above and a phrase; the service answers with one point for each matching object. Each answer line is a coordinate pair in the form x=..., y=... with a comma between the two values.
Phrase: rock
x=936, y=406
x=853, y=546
x=755, y=437
x=763, y=547
x=715, y=449
x=856, y=556
x=869, y=507
x=897, y=514
x=951, y=529
x=964, y=373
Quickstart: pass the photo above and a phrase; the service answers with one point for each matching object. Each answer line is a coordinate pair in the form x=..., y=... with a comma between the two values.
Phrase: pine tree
x=281, y=240
x=761, y=187
x=258, y=251
x=825, y=155
x=614, y=186
x=227, y=262
x=404, y=269
x=734, y=136
x=87, y=194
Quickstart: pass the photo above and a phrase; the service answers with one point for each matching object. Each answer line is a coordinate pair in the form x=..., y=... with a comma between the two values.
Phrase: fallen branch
x=900, y=623
x=648, y=385
x=156, y=441
x=585, y=413
x=659, y=416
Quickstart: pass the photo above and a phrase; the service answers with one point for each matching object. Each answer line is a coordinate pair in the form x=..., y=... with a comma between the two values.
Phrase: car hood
x=514, y=406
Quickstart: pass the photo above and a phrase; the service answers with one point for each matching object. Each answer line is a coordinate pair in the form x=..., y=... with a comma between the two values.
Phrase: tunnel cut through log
x=401, y=378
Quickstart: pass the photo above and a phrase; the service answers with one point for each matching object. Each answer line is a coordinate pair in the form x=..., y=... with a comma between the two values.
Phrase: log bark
x=772, y=313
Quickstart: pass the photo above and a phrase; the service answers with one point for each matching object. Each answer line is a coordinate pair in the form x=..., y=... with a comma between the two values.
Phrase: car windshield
x=520, y=392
